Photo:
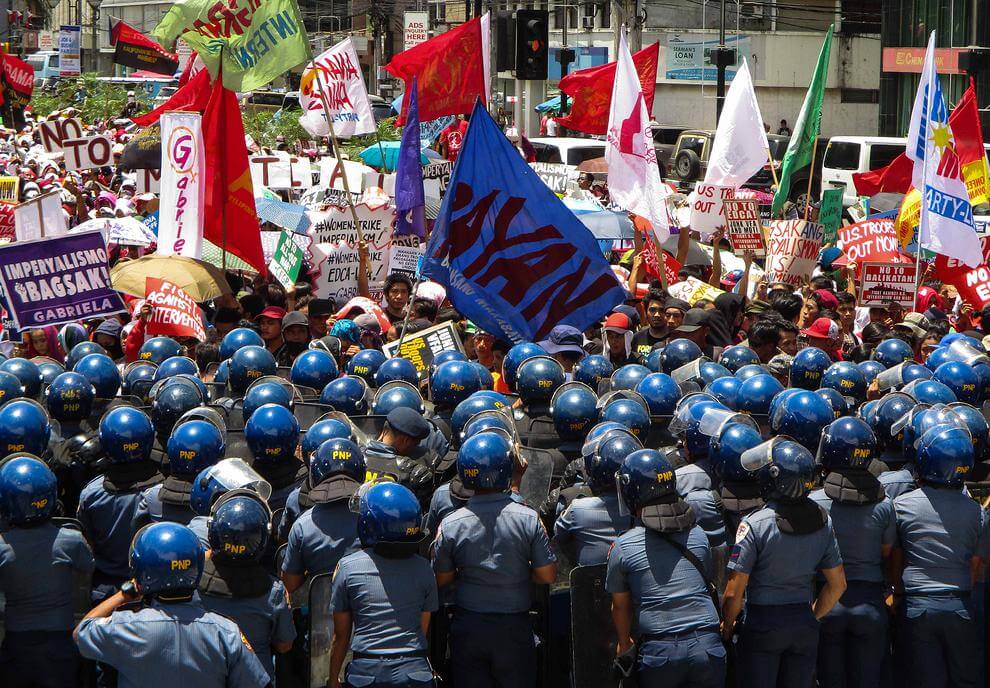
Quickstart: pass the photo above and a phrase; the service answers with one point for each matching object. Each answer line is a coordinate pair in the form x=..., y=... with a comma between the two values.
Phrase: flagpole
x=929, y=99
x=405, y=320
x=811, y=175
x=223, y=168
x=773, y=170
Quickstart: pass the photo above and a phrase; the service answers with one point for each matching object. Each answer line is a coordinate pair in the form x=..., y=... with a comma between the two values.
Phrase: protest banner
x=58, y=280
x=706, y=207
x=830, y=214
x=742, y=218
x=180, y=220
x=55, y=132
x=175, y=314
x=330, y=175
x=422, y=347
x=10, y=190
x=287, y=260
x=148, y=181
x=40, y=217
x=973, y=284
x=280, y=170
x=343, y=94
x=792, y=250
x=335, y=249
x=429, y=131
x=87, y=152
x=405, y=254
x=870, y=241
x=882, y=282
x=555, y=175
x=436, y=177
x=693, y=290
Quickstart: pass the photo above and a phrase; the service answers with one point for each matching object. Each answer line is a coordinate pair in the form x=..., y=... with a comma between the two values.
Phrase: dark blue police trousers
x=38, y=659
x=694, y=659
x=778, y=646
x=492, y=650
x=854, y=639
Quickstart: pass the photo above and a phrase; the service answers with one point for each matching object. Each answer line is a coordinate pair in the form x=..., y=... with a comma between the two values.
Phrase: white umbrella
x=128, y=230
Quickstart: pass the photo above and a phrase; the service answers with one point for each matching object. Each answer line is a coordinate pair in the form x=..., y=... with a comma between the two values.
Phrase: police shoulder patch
x=246, y=643
x=742, y=531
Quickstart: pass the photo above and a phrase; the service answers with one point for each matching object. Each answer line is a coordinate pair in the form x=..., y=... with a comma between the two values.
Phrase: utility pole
x=566, y=56
x=721, y=57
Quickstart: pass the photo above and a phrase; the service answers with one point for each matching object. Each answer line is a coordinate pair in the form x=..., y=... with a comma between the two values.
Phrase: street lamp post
x=94, y=5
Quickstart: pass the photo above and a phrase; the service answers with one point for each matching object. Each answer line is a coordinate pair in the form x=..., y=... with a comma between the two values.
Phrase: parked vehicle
x=847, y=155
x=688, y=162
x=567, y=150
x=45, y=66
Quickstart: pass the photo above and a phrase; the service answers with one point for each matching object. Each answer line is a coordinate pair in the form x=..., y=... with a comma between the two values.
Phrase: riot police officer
x=391, y=453
x=493, y=547
x=451, y=382
x=166, y=563
x=236, y=585
x=272, y=435
x=383, y=595
x=694, y=479
x=40, y=564
x=657, y=570
x=777, y=552
x=536, y=381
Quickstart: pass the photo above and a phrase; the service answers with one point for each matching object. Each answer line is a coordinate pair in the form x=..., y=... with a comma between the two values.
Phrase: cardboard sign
x=53, y=134
x=10, y=190
x=792, y=250
x=176, y=314
x=330, y=176
x=742, y=216
x=422, y=347
x=87, y=153
x=694, y=290
x=40, y=217
x=279, y=170
x=287, y=260
x=881, y=282
x=706, y=207
x=7, y=223
x=870, y=241
x=555, y=175
x=148, y=181
x=58, y=280
x=436, y=177
x=973, y=284
x=404, y=255
x=830, y=213
x=335, y=244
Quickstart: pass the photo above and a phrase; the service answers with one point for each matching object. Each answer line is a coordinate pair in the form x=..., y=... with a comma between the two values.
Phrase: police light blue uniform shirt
x=107, y=520
x=320, y=538
x=151, y=509
x=492, y=543
x=590, y=525
x=172, y=646
x=897, y=482
x=668, y=592
x=263, y=620
x=861, y=530
x=38, y=568
x=386, y=598
x=441, y=504
x=781, y=567
x=201, y=526
x=694, y=484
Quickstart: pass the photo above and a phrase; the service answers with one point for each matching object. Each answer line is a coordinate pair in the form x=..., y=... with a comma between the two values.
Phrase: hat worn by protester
x=630, y=312
x=273, y=312
x=827, y=299
x=756, y=307
x=320, y=307
x=694, y=319
x=822, y=328
x=368, y=323
x=294, y=318
x=618, y=322
x=917, y=323
x=110, y=327
x=567, y=339
x=406, y=421
x=679, y=304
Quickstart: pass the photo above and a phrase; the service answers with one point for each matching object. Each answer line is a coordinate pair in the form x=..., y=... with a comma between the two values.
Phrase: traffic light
x=532, y=44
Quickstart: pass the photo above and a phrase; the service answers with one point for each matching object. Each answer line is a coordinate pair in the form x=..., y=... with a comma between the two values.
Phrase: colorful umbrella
x=197, y=278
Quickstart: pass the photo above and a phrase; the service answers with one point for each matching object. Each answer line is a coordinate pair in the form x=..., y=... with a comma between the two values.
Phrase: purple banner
x=58, y=280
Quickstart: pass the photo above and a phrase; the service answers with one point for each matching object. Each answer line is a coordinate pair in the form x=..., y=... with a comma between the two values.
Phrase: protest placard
x=436, y=177
x=148, y=181
x=706, y=207
x=58, y=280
x=973, y=284
x=882, y=282
x=870, y=241
x=55, y=132
x=7, y=224
x=404, y=255
x=287, y=260
x=280, y=170
x=693, y=290
x=330, y=175
x=830, y=214
x=42, y=216
x=87, y=153
x=792, y=250
x=742, y=217
x=10, y=190
x=335, y=244
x=421, y=348
x=175, y=314
x=555, y=175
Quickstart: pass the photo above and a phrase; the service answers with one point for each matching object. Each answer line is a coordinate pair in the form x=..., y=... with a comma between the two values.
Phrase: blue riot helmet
x=474, y=404
x=49, y=369
x=735, y=357
x=686, y=422
x=726, y=390
x=604, y=455
x=453, y=382
x=70, y=397
x=159, y=349
x=803, y=417
x=347, y=395
x=808, y=367
x=644, y=479
x=69, y=337
x=574, y=409
x=677, y=353
x=267, y=391
x=325, y=428
x=709, y=372
x=102, y=372
x=176, y=365
x=166, y=557
x=397, y=393
x=868, y=412
x=537, y=378
x=756, y=393
x=922, y=419
x=889, y=411
x=237, y=339
x=847, y=443
x=193, y=446
x=10, y=387
x=397, y=369
x=871, y=369
x=247, y=365
x=28, y=490
x=484, y=375
x=239, y=527
x=961, y=379
x=726, y=448
x=591, y=370
x=314, y=369
x=628, y=377
x=485, y=460
x=930, y=392
x=845, y=378
x=660, y=392
x=916, y=371
x=222, y=477
x=80, y=351
x=751, y=370
x=979, y=429
x=488, y=420
x=780, y=398
x=24, y=428
x=632, y=413
x=784, y=468
x=170, y=399
x=336, y=471
x=365, y=364
x=514, y=358
x=138, y=378
x=982, y=371
x=272, y=434
x=126, y=435
x=389, y=514
x=653, y=359
x=937, y=357
x=444, y=356
x=222, y=376
x=945, y=456
x=26, y=372
x=891, y=352
x=497, y=398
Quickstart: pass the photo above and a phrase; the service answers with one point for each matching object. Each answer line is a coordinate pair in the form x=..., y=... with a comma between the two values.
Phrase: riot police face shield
x=760, y=456
x=690, y=372
x=622, y=394
x=682, y=418
x=235, y=474
x=715, y=419
x=891, y=378
x=965, y=352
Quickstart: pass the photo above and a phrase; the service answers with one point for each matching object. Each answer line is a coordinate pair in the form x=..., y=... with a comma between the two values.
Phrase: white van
x=44, y=64
x=567, y=150
x=847, y=155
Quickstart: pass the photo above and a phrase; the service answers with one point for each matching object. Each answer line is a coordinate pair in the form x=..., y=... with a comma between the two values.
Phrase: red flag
x=591, y=90
x=229, y=191
x=192, y=97
x=895, y=177
x=973, y=284
x=450, y=71
x=134, y=49
x=194, y=65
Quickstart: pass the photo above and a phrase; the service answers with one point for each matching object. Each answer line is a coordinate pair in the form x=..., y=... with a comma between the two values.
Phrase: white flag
x=740, y=147
x=633, y=176
x=344, y=91
x=180, y=212
x=946, y=225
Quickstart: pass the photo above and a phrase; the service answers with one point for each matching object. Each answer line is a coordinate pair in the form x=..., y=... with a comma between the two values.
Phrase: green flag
x=801, y=148
x=258, y=39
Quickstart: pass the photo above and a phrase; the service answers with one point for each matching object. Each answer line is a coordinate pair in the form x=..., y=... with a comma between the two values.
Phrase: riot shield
x=307, y=413
x=308, y=393
x=535, y=485
x=320, y=630
x=593, y=636
x=659, y=434
x=284, y=372
x=369, y=426
x=235, y=415
x=216, y=390
x=237, y=447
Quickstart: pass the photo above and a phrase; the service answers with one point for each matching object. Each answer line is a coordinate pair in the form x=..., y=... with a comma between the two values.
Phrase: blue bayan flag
x=410, y=205
x=514, y=260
